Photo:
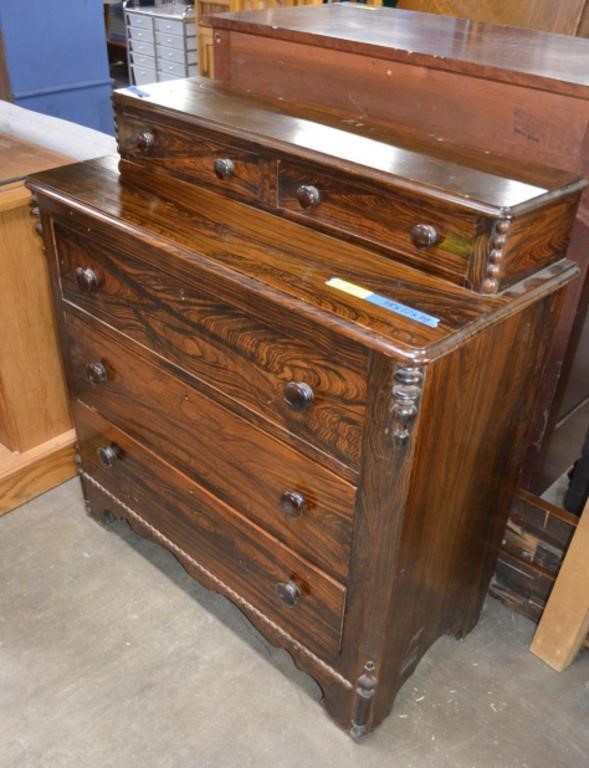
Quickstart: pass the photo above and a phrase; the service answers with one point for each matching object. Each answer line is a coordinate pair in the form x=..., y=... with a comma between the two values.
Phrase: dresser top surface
x=279, y=258
x=534, y=59
x=19, y=158
x=392, y=155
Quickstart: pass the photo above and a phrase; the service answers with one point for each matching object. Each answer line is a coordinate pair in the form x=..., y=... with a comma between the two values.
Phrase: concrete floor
x=110, y=655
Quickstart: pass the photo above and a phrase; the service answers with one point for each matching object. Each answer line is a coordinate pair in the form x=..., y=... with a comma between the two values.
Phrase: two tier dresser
x=302, y=352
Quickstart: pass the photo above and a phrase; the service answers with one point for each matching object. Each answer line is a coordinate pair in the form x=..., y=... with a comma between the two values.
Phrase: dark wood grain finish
x=238, y=552
x=384, y=218
x=247, y=359
x=406, y=553
x=538, y=532
x=384, y=191
x=237, y=462
x=523, y=56
x=191, y=158
x=513, y=93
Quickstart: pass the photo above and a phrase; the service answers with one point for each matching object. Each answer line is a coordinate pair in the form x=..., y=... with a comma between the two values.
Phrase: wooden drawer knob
x=308, y=196
x=288, y=592
x=145, y=140
x=87, y=279
x=96, y=372
x=298, y=395
x=292, y=503
x=424, y=235
x=224, y=168
x=108, y=454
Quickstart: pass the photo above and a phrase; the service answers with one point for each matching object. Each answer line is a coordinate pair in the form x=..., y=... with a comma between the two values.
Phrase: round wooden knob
x=87, y=279
x=96, y=372
x=308, y=196
x=298, y=395
x=145, y=140
x=107, y=455
x=288, y=592
x=224, y=168
x=424, y=235
x=292, y=503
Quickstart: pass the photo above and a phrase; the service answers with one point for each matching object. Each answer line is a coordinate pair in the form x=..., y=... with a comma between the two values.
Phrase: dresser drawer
x=383, y=217
x=175, y=41
x=243, y=556
x=303, y=504
x=140, y=35
x=192, y=157
x=248, y=359
x=139, y=21
x=173, y=27
x=139, y=48
x=141, y=61
x=174, y=69
x=143, y=75
x=177, y=55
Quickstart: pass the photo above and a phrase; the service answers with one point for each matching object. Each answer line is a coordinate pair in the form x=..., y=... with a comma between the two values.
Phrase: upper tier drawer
x=243, y=556
x=476, y=220
x=193, y=157
x=433, y=236
x=292, y=381
x=306, y=506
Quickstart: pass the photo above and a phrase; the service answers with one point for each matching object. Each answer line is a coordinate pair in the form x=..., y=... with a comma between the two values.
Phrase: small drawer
x=143, y=76
x=175, y=41
x=250, y=360
x=172, y=55
x=139, y=20
x=173, y=69
x=303, y=504
x=140, y=35
x=173, y=27
x=252, y=563
x=438, y=238
x=138, y=48
x=191, y=156
x=142, y=62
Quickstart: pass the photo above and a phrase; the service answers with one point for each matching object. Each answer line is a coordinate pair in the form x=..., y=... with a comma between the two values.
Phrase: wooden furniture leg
x=565, y=621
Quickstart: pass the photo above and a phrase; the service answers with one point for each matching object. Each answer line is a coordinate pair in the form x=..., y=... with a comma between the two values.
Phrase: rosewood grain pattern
x=511, y=93
x=247, y=359
x=382, y=218
x=191, y=158
x=238, y=552
x=377, y=193
x=235, y=461
x=388, y=565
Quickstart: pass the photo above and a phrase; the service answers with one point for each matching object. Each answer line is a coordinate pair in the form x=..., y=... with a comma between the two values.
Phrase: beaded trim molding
x=234, y=596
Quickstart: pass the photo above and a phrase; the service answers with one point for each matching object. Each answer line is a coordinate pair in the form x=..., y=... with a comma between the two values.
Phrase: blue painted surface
x=57, y=61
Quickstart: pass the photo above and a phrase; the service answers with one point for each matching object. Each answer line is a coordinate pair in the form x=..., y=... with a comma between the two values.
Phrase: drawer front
x=173, y=27
x=243, y=556
x=140, y=35
x=381, y=217
x=192, y=157
x=245, y=468
x=247, y=359
x=139, y=48
x=175, y=41
x=171, y=55
x=139, y=21
x=142, y=62
x=173, y=69
x=142, y=75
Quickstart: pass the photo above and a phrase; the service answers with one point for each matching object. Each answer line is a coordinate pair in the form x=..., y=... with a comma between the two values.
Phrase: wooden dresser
x=302, y=357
